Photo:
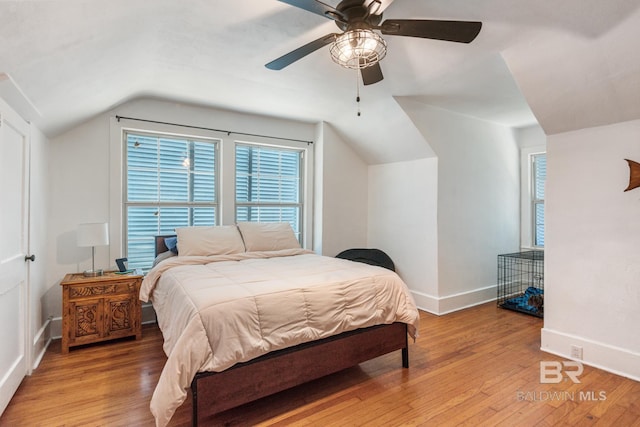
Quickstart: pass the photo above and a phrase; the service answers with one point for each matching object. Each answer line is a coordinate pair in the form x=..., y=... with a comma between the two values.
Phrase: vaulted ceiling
x=573, y=63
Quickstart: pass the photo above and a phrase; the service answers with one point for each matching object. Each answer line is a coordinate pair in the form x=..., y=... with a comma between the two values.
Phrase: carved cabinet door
x=86, y=320
x=120, y=316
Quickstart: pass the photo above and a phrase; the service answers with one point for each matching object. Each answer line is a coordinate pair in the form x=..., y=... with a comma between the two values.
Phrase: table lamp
x=92, y=235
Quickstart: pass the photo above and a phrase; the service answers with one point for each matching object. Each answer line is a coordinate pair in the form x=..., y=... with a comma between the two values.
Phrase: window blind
x=170, y=182
x=539, y=178
x=268, y=185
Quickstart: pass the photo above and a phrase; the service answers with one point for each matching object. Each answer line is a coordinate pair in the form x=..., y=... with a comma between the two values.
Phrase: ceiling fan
x=359, y=46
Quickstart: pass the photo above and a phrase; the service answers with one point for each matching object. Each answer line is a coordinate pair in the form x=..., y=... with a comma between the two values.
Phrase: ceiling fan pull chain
x=358, y=90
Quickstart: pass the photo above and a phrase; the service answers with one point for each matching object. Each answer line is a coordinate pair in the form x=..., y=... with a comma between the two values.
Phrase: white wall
x=79, y=186
x=341, y=195
x=403, y=223
x=80, y=179
x=530, y=136
x=40, y=198
x=478, y=201
x=592, y=251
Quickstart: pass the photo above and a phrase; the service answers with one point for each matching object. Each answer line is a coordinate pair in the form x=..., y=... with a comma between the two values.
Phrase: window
x=539, y=176
x=162, y=179
x=171, y=182
x=268, y=185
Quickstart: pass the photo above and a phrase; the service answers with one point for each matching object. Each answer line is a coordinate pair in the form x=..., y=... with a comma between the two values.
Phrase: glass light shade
x=94, y=234
x=357, y=49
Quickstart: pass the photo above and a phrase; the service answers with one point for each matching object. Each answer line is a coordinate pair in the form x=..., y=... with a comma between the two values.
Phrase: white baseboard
x=609, y=358
x=450, y=303
x=56, y=328
x=40, y=343
x=426, y=302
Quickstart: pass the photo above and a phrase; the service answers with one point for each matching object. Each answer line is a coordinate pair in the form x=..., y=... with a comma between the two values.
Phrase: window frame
x=535, y=201
x=527, y=208
x=158, y=204
x=301, y=184
x=226, y=176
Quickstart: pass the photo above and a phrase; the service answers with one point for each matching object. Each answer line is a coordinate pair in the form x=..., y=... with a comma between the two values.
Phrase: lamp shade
x=93, y=234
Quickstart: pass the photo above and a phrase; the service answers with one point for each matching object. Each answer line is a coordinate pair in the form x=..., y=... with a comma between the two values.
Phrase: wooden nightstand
x=100, y=308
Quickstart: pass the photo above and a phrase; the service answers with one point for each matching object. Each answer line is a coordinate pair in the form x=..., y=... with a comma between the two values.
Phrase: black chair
x=368, y=256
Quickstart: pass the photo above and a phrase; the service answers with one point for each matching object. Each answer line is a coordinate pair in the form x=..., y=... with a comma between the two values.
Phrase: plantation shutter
x=268, y=185
x=539, y=178
x=171, y=182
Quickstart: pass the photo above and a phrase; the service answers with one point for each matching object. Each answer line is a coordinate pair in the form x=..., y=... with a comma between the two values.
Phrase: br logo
x=553, y=372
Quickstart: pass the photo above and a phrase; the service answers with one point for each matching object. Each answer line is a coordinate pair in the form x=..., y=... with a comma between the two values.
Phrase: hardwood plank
x=475, y=367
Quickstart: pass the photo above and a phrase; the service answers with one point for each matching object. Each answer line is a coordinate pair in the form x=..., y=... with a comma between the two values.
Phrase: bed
x=245, y=312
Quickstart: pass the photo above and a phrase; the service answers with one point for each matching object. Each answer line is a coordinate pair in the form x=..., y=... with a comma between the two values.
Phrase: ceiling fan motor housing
x=355, y=15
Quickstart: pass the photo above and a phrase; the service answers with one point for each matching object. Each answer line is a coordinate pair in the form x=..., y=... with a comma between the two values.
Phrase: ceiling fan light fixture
x=357, y=49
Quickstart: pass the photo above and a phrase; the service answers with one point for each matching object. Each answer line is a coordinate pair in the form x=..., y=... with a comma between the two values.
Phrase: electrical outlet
x=576, y=352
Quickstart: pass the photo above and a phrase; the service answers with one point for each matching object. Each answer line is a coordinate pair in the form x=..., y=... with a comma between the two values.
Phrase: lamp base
x=93, y=273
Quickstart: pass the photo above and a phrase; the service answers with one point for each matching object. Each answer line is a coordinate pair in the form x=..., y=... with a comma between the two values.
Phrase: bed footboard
x=214, y=392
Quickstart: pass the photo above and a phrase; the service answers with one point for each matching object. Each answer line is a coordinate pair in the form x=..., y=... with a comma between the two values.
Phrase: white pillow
x=268, y=236
x=214, y=240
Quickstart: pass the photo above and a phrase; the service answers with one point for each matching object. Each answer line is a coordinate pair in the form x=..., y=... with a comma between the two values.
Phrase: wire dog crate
x=521, y=282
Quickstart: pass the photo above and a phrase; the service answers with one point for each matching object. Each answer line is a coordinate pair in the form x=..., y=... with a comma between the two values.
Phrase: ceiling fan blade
x=453, y=31
x=301, y=52
x=318, y=8
x=372, y=74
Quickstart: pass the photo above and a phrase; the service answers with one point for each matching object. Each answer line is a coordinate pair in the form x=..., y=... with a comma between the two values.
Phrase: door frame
x=23, y=364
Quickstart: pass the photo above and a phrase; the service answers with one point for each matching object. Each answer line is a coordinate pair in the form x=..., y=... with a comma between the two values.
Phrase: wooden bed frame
x=214, y=392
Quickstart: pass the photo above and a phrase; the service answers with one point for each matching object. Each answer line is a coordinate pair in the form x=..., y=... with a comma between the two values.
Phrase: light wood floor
x=476, y=367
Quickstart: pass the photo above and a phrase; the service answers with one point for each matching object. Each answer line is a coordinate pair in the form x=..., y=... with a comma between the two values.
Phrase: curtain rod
x=228, y=132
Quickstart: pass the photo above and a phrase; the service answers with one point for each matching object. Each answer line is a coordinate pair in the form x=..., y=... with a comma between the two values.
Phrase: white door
x=14, y=238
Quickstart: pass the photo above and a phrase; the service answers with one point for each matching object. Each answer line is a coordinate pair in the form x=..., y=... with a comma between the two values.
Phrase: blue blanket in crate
x=522, y=302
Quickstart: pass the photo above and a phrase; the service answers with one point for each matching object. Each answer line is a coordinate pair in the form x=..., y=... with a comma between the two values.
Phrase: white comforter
x=220, y=310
